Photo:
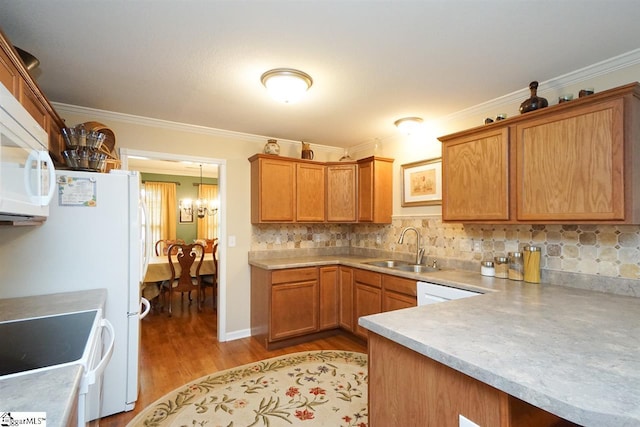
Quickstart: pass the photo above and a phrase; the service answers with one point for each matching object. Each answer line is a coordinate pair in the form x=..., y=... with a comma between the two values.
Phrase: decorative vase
x=307, y=152
x=272, y=147
x=535, y=102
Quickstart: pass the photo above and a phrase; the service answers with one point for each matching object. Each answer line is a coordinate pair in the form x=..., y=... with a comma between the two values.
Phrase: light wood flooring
x=182, y=348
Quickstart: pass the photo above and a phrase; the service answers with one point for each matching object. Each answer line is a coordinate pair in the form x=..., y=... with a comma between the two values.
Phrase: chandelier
x=202, y=206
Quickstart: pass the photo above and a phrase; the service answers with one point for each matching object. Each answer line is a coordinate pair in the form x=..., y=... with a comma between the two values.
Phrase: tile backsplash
x=601, y=250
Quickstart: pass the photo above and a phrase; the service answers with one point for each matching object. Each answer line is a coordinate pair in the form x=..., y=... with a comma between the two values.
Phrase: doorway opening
x=177, y=164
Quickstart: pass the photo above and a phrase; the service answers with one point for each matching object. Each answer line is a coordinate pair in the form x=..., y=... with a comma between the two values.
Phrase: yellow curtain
x=162, y=206
x=207, y=227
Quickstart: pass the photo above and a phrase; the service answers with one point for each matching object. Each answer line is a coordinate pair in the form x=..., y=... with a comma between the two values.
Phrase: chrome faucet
x=419, y=250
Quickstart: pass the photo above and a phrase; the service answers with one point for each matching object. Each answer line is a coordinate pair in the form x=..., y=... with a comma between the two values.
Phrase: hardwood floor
x=182, y=348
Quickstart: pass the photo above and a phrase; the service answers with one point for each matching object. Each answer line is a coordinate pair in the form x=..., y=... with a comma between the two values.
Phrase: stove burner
x=45, y=341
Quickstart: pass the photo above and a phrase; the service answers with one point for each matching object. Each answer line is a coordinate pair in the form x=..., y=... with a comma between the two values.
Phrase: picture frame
x=422, y=183
x=186, y=214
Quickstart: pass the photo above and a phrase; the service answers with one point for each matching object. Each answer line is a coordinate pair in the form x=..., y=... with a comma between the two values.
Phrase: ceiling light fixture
x=286, y=84
x=408, y=125
x=202, y=206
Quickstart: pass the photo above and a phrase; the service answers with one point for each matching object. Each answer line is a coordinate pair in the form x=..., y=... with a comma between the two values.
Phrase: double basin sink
x=403, y=266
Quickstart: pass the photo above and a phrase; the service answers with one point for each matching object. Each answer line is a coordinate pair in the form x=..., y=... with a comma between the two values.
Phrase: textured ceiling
x=199, y=62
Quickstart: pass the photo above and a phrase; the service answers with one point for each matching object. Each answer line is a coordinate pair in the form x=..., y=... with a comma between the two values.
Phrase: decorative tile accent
x=607, y=250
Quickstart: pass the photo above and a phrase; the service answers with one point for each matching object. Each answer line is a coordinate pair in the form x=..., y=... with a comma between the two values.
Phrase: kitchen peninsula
x=568, y=351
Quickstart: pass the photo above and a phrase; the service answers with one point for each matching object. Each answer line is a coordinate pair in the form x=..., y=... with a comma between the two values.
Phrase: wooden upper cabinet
x=273, y=190
x=32, y=104
x=575, y=162
x=291, y=190
x=375, y=190
x=475, y=171
x=310, y=194
x=15, y=77
x=9, y=75
x=571, y=166
x=341, y=192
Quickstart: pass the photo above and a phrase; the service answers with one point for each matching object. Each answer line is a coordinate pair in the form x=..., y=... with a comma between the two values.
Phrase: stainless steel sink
x=389, y=263
x=416, y=268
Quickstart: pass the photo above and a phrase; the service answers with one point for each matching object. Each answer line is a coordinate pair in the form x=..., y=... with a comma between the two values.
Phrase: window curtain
x=208, y=226
x=160, y=198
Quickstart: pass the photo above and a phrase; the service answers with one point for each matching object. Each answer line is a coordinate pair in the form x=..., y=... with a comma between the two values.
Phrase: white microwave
x=27, y=175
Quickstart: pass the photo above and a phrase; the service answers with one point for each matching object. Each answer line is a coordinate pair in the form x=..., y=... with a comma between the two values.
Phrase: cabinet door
x=475, y=176
x=398, y=292
x=9, y=76
x=341, y=193
x=367, y=297
x=571, y=167
x=294, y=309
x=346, y=298
x=32, y=104
x=273, y=183
x=328, y=298
x=56, y=142
x=395, y=301
x=375, y=190
x=310, y=193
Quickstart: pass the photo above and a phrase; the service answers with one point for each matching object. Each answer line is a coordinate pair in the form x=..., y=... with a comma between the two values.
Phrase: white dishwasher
x=431, y=293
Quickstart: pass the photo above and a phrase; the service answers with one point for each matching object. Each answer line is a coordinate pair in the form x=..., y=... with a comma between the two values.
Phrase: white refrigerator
x=94, y=238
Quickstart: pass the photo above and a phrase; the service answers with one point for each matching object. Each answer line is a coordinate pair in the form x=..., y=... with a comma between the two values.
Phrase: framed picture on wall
x=422, y=183
x=186, y=214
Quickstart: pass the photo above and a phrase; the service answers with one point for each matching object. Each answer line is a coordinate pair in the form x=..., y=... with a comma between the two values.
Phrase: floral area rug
x=318, y=388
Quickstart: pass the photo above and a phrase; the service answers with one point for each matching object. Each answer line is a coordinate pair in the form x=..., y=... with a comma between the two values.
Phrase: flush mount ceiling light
x=286, y=84
x=408, y=125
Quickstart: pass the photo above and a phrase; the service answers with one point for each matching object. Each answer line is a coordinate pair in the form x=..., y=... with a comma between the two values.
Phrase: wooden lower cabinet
x=284, y=303
x=395, y=301
x=411, y=390
x=346, y=298
x=367, y=297
x=398, y=292
x=328, y=298
x=299, y=302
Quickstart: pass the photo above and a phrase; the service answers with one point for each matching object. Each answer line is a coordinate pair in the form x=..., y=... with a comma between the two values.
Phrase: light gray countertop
x=569, y=351
x=53, y=391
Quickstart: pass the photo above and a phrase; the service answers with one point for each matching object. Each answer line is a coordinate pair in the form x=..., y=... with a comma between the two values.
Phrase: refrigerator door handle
x=147, y=307
x=147, y=242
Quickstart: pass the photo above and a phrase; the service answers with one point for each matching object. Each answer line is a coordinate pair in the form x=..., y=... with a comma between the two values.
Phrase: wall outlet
x=466, y=422
x=378, y=240
x=477, y=246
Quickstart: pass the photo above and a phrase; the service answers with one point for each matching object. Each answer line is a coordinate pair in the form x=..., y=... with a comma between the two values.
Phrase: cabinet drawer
x=294, y=275
x=368, y=277
x=400, y=285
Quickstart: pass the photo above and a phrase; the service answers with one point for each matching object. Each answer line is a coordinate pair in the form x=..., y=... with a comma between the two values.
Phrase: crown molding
x=607, y=66
x=175, y=126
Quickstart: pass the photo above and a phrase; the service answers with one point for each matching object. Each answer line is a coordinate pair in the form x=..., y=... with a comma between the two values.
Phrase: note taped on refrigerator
x=74, y=191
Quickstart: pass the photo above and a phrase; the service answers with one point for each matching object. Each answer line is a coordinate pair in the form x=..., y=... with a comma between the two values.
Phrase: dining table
x=159, y=271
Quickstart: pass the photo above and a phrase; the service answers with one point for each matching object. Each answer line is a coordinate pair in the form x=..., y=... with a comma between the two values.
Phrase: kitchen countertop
x=53, y=391
x=571, y=352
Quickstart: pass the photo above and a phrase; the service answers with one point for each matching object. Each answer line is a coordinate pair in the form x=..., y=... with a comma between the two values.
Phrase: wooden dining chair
x=211, y=280
x=162, y=245
x=186, y=256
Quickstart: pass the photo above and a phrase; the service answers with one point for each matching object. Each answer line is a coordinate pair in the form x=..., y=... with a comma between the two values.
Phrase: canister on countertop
x=516, y=266
x=501, y=265
x=487, y=269
x=532, y=264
